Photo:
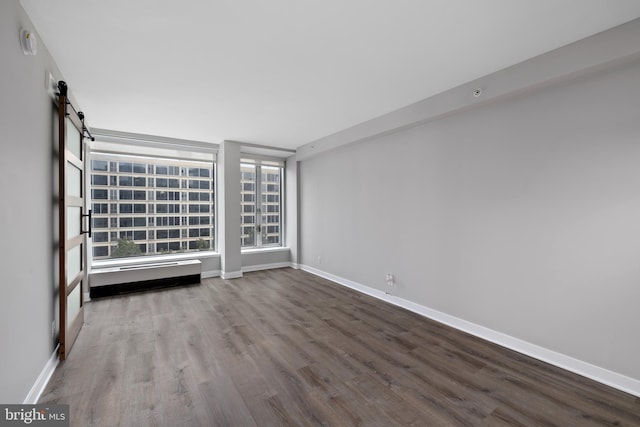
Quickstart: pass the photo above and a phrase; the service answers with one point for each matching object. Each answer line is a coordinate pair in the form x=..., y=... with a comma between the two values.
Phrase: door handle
x=90, y=225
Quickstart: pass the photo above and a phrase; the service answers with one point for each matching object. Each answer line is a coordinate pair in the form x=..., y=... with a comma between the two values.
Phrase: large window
x=261, y=204
x=148, y=206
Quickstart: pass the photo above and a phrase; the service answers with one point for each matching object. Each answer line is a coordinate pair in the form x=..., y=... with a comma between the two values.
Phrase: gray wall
x=521, y=216
x=26, y=211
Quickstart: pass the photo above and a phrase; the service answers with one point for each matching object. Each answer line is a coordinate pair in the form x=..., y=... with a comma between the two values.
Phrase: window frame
x=260, y=224
x=204, y=159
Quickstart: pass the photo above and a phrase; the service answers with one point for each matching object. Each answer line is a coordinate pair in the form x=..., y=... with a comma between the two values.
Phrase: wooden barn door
x=72, y=218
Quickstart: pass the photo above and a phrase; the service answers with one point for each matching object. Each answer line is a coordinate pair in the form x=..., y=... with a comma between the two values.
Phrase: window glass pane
x=270, y=205
x=74, y=263
x=99, y=165
x=74, y=181
x=99, y=194
x=100, y=222
x=140, y=186
x=99, y=179
x=73, y=221
x=74, y=143
x=100, y=237
x=260, y=205
x=100, y=251
x=248, y=236
x=74, y=303
x=248, y=188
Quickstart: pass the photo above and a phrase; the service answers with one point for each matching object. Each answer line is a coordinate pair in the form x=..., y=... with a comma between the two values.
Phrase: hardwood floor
x=286, y=348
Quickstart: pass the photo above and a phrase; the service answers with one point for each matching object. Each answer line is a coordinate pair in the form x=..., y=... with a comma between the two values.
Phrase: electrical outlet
x=390, y=279
x=319, y=259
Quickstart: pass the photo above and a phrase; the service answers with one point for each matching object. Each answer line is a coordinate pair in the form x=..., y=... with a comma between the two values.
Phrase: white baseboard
x=602, y=375
x=246, y=269
x=259, y=267
x=43, y=379
x=230, y=275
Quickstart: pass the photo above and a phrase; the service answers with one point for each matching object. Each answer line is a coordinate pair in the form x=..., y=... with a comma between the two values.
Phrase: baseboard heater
x=141, y=277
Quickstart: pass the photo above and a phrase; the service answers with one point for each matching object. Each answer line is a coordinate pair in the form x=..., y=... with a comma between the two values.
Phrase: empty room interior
x=385, y=213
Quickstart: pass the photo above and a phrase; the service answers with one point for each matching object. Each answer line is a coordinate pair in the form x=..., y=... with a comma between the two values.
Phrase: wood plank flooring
x=286, y=348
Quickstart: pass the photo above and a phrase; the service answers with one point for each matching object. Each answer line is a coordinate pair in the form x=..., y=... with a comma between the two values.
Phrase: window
x=261, y=200
x=137, y=200
x=99, y=194
x=99, y=179
x=100, y=208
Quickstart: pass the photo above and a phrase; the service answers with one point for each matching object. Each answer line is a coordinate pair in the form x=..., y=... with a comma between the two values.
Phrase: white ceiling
x=287, y=72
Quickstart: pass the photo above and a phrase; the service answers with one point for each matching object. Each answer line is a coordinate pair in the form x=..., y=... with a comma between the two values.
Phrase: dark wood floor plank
x=287, y=348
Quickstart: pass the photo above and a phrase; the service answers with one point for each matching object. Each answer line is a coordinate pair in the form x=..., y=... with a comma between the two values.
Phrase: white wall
x=229, y=209
x=26, y=211
x=291, y=211
x=521, y=216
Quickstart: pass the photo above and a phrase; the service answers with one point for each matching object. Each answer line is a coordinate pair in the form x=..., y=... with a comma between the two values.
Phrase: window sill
x=267, y=249
x=120, y=262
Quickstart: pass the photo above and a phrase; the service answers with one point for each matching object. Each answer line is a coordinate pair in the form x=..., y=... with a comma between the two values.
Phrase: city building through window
x=261, y=204
x=150, y=206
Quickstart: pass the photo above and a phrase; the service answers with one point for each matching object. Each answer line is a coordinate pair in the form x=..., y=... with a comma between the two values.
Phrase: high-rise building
x=144, y=206
x=260, y=204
